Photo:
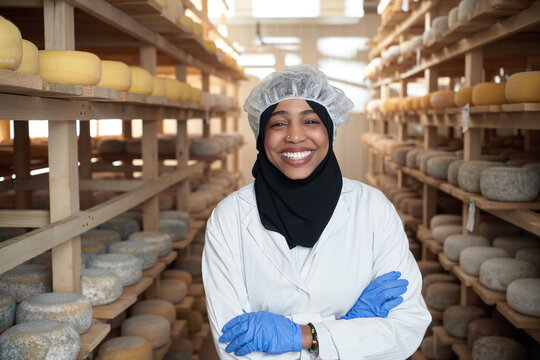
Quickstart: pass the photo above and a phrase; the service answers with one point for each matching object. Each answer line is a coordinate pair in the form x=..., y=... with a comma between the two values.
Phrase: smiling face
x=295, y=140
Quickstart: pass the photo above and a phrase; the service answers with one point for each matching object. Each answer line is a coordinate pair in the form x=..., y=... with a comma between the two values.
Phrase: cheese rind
x=160, y=239
x=154, y=328
x=472, y=258
x=128, y=268
x=173, y=290
x=496, y=274
x=26, y=280
x=463, y=96
x=155, y=307
x=7, y=310
x=523, y=87
x=173, y=89
x=442, y=99
x=11, y=47
x=115, y=75
x=30, y=59
x=176, y=229
x=160, y=88
x=142, y=81
x=100, y=286
x=145, y=251
x=489, y=94
x=69, y=67
x=126, y=348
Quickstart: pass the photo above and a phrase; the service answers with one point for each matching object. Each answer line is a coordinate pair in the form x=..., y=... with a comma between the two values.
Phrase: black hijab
x=297, y=209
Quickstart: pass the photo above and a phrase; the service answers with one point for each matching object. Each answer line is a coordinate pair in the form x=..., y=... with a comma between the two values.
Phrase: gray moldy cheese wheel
x=437, y=166
x=173, y=290
x=453, y=171
x=106, y=237
x=509, y=184
x=160, y=239
x=7, y=310
x=441, y=232
x=454, y=244
x=128, y=268
x=399, y=154
x=190, y=263
x=523, y=295
x=26, y=280
x=513, y=244
x=154, y=328
x=411, y=157
x=178, y=274
x=534, y=166
x=445, y=219
x=126, y=348
x=159, y=307
x=100, y=286
x=471, y=258
x=181, y=349
x=469, y=174
x=72, y=309
x=496, y=274
x=456, y=319
x=426, y=156
x=440, y=296
x=498, y=347
x=111, y=146
x=414, y=207
x=428, y=267
x=40, y=340
x=92, y=247
x=435, y=278
x=530, y=255
x=176, y=229
x=145, y=251
x=175, y=215
x=435, y=350
x=204, y=147
x=124, y=226
x=487, y=327
x=492, y=229
x=134, y=214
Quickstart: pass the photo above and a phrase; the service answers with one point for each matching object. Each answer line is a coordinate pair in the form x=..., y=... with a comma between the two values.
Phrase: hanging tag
x=465, y=117
x=417, y=57
x=405, y=5
x=470, y=215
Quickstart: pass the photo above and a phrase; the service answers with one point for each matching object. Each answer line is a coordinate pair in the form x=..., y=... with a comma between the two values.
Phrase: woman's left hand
x=261, y=331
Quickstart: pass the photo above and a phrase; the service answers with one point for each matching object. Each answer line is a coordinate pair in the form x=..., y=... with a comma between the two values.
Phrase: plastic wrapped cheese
x=142, y=81
x=69, y=67
x=489, y=94
x=11, y=46
x=30, y=59
x=523, y=87
x=115, y=75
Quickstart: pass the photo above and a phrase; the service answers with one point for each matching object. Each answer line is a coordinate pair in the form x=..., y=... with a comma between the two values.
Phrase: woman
x=300, y=263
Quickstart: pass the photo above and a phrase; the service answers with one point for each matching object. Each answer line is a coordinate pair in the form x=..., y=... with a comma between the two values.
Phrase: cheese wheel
x=442, y=232
x=457, y=318
x=104, y=236
x=489, y=94
x=160, y=239
x=40, y=340
x=200, y=305
x=439, y=25
x=30, y=58
x=428, y=267
x=160, y=88
x=523, y=295
x=145, y=251
x=454, y=244
x=159, y=307
x=197, y=29
x=71, y=309
x=7, y=310
x=437, y=166
x=194, y=321
x=465, y=9
x=166, y=201
x=453, y=17
x=92, y=247
x=181, y=349
x=115, y=75
x=530, y=255
x=523, y=87
x=210, y=45
x=100, y=286
x=69, y=67
x=472, y=258
x=173, y=290
x=492, y=229
x=176, y=229
x=128, y=268
x=186, y=23
x=436, y=350
x=196, y=95
x=126, y=348
x=26, y=280
x=425, y=102
x=182, y=275
x=469, y=174
x=423, y=157
x=496, y=274
x=512, y=244
x=411, y=157
x=445, y=219
x=124, y=226
x=497, y=347
x=133, y=146
x=436, y=278
x=11, y=46
x=154, y=328
x=414, y=207
x=185, y=94
x=509, y=184
x=196, y=202
x=442, y=99
x=110, y=146
x=173, y=89
x=142, y=81
x=487, y=327
x=463, y=96
x=191, y=264
x=175, y=215
x=440, y=296
x=453, y=171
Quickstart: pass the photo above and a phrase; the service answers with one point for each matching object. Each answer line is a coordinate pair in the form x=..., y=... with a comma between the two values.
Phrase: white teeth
x=296, y=155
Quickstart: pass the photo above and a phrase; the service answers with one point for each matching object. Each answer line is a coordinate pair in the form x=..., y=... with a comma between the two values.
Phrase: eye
x=312, y=122
x=278, y=124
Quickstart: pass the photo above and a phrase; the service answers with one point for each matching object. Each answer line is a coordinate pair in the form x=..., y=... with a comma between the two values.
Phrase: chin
x=297, y=175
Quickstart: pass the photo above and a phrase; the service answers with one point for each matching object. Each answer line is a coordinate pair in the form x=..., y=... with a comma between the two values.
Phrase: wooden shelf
x=169, y=258
x=520, y=321
x=446, y=263
x=112, y=310
x=424, y=234
x=179, y=329
x=185, y=305
x=160, y=353
x=204, y=214
x=198, y=338
x=440, y=333
x=155, y=270
x=435, y=314
x=465, y=278
x=139, y=287
x=92, y=338
x=463, y=351
x=196, y=290
x=434, y=246
x=488, y=296
x=419, y=355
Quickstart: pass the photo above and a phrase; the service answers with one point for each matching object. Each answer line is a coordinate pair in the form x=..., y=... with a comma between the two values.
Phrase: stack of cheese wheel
x=115, y=75
x=523, y=87
x=489, y=94
x=100, y=286
x=154, y=328
x=124, y=226
x=146, y=252
x=69, y=67
x=30, y=59
x=128, y=268
x=7, y=310
x=26, y=280
x=161, y=239
x=142, y=81
x=11, y=45
x=106, y=237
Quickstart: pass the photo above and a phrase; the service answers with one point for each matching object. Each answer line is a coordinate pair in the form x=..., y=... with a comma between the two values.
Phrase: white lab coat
x=246, y=267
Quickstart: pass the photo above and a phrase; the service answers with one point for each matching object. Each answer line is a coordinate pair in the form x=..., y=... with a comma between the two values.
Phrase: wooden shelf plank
x=423, y=234
x=435, y=314
x=534, y=333
x=179, y=329
x=465, y=278
x=440, y=333
x=139, y=287
x=155, y=270
x=160, y=353
x=488, y=296
x=112, y=310
x=93, y=337
x=419, y=355
x=169, y=258
x=185, y=305
x=198, y=338
x=463, y=351
x=434, y=246
x=518, y=320
x=446, y=263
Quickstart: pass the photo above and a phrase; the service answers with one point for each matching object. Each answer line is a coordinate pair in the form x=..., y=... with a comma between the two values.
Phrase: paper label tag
x=405, y=5
x=470, y=215
x=417, y=57
x=465, y=117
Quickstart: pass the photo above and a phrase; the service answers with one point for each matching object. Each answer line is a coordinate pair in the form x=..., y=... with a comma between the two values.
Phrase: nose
x=295, y=133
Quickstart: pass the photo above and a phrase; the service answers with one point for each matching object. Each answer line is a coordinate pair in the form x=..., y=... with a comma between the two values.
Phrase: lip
x=299, y=162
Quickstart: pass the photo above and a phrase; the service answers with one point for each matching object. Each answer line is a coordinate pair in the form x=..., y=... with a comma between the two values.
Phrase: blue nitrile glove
x=261, y=331
x=379, y=297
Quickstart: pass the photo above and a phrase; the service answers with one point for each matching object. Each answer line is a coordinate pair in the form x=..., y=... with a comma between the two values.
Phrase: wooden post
x=236, y=154
x=150, y=171
x=206, y=88
x=5, y=132
x=402, y=135
x=182, y=150
x=21, y=145
x=429, y=194
x=128, y=134
x=85, y=157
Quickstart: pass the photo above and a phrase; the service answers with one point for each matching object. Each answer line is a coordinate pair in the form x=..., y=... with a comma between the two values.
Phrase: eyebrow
x=283, y=112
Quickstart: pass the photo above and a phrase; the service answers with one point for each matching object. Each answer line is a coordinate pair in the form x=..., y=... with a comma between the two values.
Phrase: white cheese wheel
x=7, y=310
x=93, y=247
x=173, y=290
x=469, y=174
x=126, y=348
x=26, y=280
x=445, y=219
x=100, y=286
x=523, y=87
x=154, y=328
x=142, y=81
x=436, y=350
x=11, y=46
x=176, y=229
x=160, y=239
x=440, y=296
x=530, y=255
x=456, y=319
x=124, y=226
x=487, y=327
x=30, y=59
x=69, y=67
x=510, y=184
x=424, y=157
x=115, y=75
x=48, y=340
x=463, y=96
x=411, y=157
x=72, y=309
x=160, y=88
x=128, y=268
x=465, y=8
x=497, y=347
x=173, y=89
x=181, y=275
x=437, y=166
x=454, y=244
x=489, y=94
x=492, y=229
x=106, y=237
x=442, y=232
x=435, y=278
x=204, y=147
x=442, y=99
x=472, y=258
x=111, y=146
x=453, y=171
x=512, y=244
x=159, y=307
x=145, y=251
x=496, y=274
x=523, y=295
x=190, y=263
x=439, y=25
x=175, y=215
x=453, y=17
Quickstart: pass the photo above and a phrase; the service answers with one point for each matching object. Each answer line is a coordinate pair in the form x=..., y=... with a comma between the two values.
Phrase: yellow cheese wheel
x=197, y=29
x=182, y=275
x=126, y=348
x=173, y=89
x=141, y=81
x=210, y=45
x=115, y=75
x=154, y=328
x=417, y=103
x=186, y=92
x=489, y=94
x=463, y=96
x=197, y=95
x=30, y=59
x=69, y=67
x=160, y=88
x=425, y=102
x=390, y=105
x=155, y=307
x=442, y=99
x=11, y=47
x=185, y=22
x=523, y=87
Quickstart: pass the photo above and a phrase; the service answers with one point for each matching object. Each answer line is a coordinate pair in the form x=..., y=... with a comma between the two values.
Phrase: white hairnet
x=299, y=82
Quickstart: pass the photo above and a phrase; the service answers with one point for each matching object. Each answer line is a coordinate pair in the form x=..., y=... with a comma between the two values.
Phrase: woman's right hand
x=379, y=297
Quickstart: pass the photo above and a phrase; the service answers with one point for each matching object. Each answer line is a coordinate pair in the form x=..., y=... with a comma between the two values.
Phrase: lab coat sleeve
x=399, y=335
